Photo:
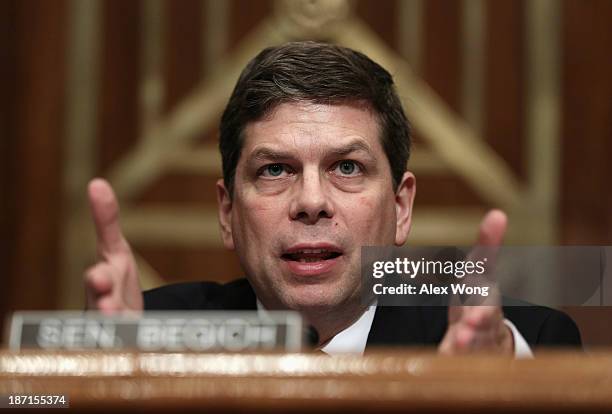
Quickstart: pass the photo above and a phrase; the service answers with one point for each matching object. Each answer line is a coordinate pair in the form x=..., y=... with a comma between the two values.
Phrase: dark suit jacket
x=392, y=326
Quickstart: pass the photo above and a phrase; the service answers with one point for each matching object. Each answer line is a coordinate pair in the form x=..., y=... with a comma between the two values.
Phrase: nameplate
x=203, y=331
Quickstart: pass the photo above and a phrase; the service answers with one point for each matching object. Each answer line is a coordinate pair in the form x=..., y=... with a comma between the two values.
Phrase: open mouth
x=311, y=255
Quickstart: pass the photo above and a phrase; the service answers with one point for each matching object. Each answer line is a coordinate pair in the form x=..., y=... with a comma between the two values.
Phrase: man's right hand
x=112, y=283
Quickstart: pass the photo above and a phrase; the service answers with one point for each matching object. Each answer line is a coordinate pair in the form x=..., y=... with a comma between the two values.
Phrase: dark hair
x=319, y=73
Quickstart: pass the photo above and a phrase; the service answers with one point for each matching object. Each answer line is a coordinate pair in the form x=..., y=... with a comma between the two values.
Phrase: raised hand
x=481, y=328
x=112, y=284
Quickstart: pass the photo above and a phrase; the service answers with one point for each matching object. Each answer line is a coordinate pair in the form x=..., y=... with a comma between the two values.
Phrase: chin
x=309, y=298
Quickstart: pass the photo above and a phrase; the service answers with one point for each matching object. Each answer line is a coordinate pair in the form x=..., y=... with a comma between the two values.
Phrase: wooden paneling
x=441, y=68
x=594, y=324
x=183, y=264
x=7, y=143
x=441, y=49
x=504, y=127
x=445, y=190
x=33, y=168
x=182, y=49
x=181, y=189
x=119, y=126
x=586, y=199
x=245, y=16
x=378, y=15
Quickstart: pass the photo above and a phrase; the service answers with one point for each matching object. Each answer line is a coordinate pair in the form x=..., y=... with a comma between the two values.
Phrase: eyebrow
x=267, y=153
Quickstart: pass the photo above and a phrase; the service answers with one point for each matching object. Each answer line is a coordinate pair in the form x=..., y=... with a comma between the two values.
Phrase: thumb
x=105, y=212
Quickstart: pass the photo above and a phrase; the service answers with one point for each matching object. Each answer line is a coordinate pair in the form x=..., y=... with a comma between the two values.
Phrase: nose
x=311, y=201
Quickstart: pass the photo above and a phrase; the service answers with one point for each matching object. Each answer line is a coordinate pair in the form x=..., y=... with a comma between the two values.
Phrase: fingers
x=481, y=317
x=480, y=328
x=112, y=284
x=466, y=341
x=111, y=287
x=490, y=237
x=99, y=284
x=105, y=213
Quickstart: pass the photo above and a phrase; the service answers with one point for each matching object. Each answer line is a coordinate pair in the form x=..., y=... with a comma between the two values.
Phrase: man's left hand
x=481, y=328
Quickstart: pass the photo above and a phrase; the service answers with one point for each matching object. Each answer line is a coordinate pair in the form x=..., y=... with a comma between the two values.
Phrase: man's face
x=312, y=186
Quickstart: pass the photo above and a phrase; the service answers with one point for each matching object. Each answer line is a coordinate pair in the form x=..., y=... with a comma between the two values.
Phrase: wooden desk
x=390, y=381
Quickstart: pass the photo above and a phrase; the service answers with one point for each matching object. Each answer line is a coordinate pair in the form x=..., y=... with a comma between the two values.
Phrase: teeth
x=309, y=260
x=312, y=251
x=311, y=255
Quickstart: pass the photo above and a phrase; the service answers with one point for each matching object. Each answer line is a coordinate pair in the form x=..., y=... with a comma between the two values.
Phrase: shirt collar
x=351, y=340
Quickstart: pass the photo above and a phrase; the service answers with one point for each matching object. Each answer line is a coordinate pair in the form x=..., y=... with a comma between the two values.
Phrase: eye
x=273, y=170
x=347, y=168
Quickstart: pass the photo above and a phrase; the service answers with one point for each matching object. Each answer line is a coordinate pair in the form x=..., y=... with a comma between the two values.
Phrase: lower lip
x=311, y=268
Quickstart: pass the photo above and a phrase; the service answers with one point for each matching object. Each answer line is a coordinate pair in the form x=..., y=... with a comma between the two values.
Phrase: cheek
x=253, y=220
x=376, y=219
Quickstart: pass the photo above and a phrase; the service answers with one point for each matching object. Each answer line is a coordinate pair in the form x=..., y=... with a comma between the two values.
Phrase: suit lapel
x=408, y=325
x=238, y=295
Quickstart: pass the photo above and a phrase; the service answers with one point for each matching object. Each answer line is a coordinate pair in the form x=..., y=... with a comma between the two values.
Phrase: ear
x=404, y=198
x=224, y=202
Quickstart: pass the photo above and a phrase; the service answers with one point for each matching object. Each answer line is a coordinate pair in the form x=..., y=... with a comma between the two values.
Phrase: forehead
x=314, y=128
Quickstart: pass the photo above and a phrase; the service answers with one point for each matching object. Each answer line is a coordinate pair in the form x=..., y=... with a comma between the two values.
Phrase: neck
x=328, y=321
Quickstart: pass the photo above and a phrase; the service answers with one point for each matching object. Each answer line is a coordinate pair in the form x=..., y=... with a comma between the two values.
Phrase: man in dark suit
x=392, y=326
x=315, y=144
